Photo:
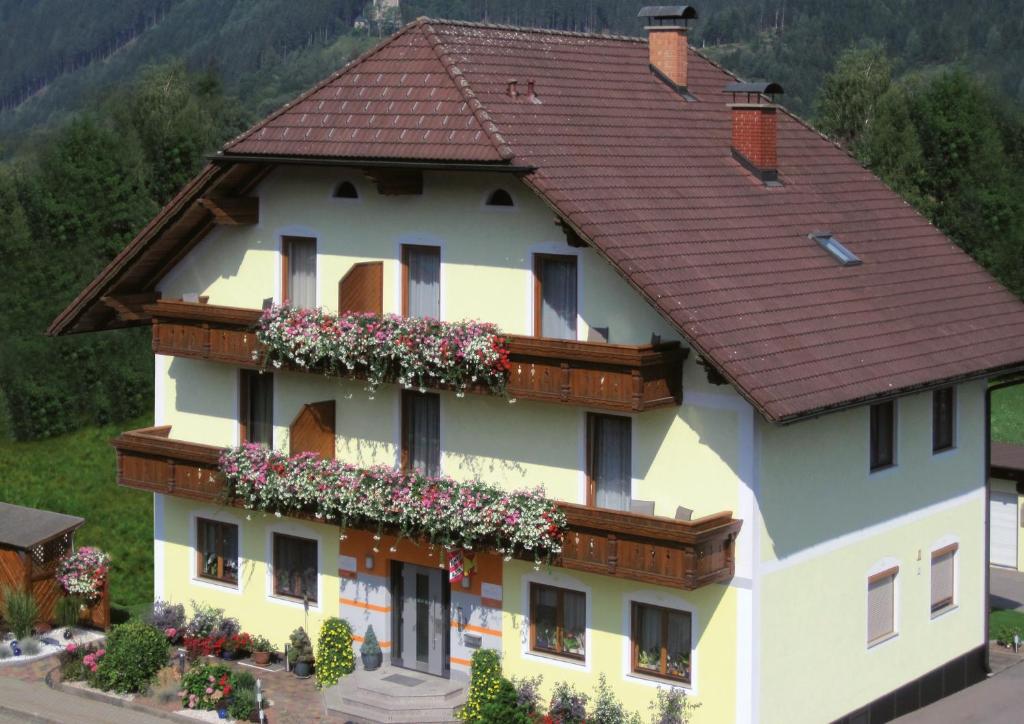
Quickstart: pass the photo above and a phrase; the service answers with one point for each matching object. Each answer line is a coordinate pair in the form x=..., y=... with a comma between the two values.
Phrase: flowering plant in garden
x=92, y=660
x=205, y=687
x=84, y=572
x=334, y=654
x=446, y=512
x=415, y=352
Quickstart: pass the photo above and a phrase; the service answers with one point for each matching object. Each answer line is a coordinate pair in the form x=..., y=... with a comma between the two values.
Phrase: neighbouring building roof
x=649, y=180
x=1006, y=461
x=23, y=528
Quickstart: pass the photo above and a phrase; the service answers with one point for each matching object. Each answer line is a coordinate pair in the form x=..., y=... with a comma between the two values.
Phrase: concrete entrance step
x=396, y=696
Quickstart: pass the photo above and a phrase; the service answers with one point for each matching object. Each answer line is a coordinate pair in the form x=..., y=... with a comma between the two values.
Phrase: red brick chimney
x=666, y=40
x=755, y=129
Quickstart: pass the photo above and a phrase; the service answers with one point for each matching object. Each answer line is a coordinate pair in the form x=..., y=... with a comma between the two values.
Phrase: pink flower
x=71, y=648
x=209, y=689
x=170, y=632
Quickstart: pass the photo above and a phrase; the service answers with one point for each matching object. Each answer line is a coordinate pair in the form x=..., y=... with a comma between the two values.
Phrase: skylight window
x=835, y=247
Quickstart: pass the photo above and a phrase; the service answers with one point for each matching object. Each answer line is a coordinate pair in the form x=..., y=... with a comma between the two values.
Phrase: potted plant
x=67, y=614
x=300, y=654
x=370, y=651
x=261, y=650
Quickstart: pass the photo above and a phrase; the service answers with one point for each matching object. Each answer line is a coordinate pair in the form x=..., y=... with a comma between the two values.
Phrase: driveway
x=1006, y=588
x=34, y=701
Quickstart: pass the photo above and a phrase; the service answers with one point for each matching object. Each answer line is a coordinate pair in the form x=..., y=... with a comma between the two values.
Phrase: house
x=751, y=375
x=1006, y=470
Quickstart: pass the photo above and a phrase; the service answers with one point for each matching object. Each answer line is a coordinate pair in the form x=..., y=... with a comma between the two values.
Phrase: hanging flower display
x=414, y=352
x=84, y=572
x=444, y=511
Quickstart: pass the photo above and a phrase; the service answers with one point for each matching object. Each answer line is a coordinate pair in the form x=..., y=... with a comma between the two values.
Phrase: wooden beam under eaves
x=233, y=210
x=128, y=307
x=571, y=237
x=396, y=181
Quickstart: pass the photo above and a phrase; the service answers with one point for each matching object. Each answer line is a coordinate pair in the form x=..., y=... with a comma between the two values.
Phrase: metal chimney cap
x=668, y=12
x=763, y=87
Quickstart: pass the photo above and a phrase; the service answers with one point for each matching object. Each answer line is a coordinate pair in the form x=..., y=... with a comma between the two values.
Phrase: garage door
x=1003, y=542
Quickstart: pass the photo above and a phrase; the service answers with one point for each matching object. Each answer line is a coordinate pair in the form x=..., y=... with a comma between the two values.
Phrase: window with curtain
x=883, y=435
x=421, y=432
x=295, y=567
x=555, y=298
x=610, y=461
x=943, y=595
x=882, y=606
x=943, y=416
x=256, y=407
x=217, y=550
x=661, y=642
x=299, y=260
x=558, y=621
x=422, y=266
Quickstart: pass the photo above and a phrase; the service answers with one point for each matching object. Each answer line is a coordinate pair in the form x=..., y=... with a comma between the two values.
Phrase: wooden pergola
x=32, y=542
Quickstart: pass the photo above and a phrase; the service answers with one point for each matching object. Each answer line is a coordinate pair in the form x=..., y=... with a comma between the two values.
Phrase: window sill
x=943, y=611
x=884, y=639
x=945, y=452
x=292, y=601
x=578, y=662
x=882, y=471
x=216, y=584
x=655, y=680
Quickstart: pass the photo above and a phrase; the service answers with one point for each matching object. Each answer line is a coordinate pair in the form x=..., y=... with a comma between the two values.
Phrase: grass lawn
x=1008, y=415
x=1002, y=625
x=75, y=474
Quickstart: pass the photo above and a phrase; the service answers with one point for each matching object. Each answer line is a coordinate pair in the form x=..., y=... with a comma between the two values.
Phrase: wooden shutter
x=362, y=288
x=942, y=577
x=881, y=600
x=313, y=430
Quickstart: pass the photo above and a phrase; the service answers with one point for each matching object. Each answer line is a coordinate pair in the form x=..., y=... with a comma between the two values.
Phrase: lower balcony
x=681, y=554
x=614, y=377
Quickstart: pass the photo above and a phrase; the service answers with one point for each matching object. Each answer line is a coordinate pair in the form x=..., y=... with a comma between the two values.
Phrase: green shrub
x=370, y=645
x=67, y=611
x=334, y=655
x=504, y=707
x=568, y=706
x=484, y=681
x=672, y=707
x=243, y=702
x=30, y=647
x=607, y=709
x=135, y=653
x=1004, y=624
x=301, y=648
x=19, y=610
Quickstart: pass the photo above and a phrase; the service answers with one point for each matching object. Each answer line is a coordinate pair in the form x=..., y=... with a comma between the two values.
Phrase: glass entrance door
x=423, y=624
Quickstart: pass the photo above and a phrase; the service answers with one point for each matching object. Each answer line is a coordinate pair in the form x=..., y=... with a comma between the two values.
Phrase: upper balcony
x=614, y=377
x=676, y=553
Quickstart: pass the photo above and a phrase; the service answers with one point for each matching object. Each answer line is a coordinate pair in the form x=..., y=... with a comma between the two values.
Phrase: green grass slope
x=74, y=474
x=1008, y=415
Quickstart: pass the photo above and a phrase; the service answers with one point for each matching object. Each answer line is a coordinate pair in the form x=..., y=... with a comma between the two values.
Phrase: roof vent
x=833, y=246
x=754, y=128
x=667, y=26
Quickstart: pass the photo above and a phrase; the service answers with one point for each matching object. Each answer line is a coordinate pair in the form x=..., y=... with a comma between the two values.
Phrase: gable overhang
x=370, y=162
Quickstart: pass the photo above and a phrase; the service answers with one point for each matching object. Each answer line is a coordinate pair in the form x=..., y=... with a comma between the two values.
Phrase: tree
x=846, y=103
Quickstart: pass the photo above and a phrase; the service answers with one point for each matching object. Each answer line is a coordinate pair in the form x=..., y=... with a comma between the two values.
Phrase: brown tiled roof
x=649, y=180
x=1007, y=461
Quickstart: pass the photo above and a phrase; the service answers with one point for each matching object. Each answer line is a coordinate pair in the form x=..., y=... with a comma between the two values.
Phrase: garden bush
x=672, y=707
x=607, y=709
x=484, y=681
x=73, y=663
x=334, y=655
x=135, y=653
x=168, y=618
x=205, y=685
x=568, y=706
x=205, y=618
x=528, y=692
x=243, y=700
x=20, y=611
x=504, y=707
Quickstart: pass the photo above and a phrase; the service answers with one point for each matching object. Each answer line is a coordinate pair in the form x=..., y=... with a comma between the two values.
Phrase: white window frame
x=662, y=600
x=880, y=567
x=289, y=528
x=557, y=579
x=218, y=516
x=945, y=542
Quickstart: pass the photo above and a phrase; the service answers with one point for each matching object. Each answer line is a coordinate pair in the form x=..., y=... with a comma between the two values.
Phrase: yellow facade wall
x=252, y=602
x=828, y=524
x=713, y=611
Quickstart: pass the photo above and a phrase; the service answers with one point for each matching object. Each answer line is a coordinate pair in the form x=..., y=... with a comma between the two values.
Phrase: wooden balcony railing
x=615, y=377
x=647, y=548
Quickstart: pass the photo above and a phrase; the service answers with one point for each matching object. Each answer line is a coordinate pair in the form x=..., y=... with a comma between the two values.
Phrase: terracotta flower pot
x=261, y=658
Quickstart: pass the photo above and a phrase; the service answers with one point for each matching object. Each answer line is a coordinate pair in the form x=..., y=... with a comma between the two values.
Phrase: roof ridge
x=545, y=31
x=362, y=57
x=476, y=106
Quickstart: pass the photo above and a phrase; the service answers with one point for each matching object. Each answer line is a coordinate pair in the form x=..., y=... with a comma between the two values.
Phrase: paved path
x=1007, y=588
x=25, y=701
x=997, y=700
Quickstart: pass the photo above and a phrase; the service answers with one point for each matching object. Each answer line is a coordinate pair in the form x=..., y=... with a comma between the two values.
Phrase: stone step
x=359, y=713
x=426, y=701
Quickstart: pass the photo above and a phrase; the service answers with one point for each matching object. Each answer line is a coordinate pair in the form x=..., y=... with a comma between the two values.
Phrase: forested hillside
x=112, y=111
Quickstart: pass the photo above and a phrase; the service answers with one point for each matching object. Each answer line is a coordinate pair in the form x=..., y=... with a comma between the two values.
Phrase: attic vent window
x=500, y=197
x=346, y=190
x=835, y=247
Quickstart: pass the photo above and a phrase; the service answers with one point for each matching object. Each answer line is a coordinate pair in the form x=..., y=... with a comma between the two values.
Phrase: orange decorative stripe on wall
x=383, y=644
x=463, y=662
x=478, y=629
x=367, y=606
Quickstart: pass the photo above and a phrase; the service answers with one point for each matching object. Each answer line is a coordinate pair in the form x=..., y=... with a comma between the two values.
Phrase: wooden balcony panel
x=614, y=377
x=645, y=548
